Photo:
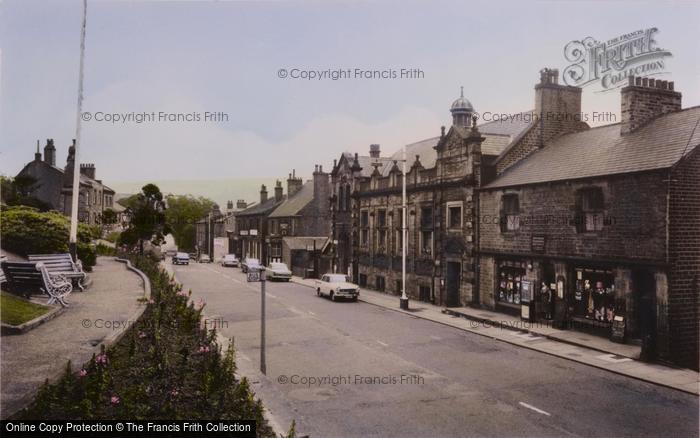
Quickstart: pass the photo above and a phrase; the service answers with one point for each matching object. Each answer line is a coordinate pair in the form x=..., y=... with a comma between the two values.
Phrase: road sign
x=253, y=276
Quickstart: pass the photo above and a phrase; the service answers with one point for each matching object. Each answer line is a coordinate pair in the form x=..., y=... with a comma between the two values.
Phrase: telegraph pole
x=403, y=304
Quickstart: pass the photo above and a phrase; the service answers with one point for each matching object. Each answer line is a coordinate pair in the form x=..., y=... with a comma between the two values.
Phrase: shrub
x=25, y=231
x=112, y=236
x=166, y=366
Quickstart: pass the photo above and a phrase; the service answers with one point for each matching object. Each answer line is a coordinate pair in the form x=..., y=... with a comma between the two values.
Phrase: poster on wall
x=525, y=291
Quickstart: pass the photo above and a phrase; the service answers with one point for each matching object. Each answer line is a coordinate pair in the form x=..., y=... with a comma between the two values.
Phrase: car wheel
x=354, y=299
x=318, y=291
x=332, y=296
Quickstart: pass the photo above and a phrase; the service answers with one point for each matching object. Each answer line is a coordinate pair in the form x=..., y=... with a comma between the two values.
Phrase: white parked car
x=337, y=286
x=181, y=258
x=204, y=258
x=278, y=271
x=230, y=260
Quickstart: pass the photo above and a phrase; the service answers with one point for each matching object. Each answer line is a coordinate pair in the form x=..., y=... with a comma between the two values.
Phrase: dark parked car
x=250, y=265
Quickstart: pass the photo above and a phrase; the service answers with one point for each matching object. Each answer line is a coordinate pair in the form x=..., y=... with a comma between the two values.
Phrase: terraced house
x=599, y=229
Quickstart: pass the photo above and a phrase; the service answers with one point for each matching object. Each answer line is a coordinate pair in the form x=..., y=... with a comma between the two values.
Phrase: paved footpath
x=106, y=307
x=571, y=345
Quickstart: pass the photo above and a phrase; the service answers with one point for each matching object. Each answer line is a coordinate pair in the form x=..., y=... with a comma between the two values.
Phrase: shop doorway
x=452, y=281
x=645, y=290
x=547, y=292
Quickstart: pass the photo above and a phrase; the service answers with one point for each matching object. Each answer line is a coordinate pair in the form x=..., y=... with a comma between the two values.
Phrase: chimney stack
x=241, y=204
x=50, y=152
x=644, y=99
x=293, y=184
x=88, y=169
x=278, y=191
x=322, y=188
x=558, y=107
x=37, y=154
x=263, y=194
x=229, y=205
x=374, y=151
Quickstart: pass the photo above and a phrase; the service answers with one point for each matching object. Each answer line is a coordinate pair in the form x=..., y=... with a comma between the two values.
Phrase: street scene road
x=379, y=372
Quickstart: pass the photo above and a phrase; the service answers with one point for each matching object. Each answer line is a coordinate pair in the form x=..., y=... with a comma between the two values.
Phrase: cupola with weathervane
x=461, y=110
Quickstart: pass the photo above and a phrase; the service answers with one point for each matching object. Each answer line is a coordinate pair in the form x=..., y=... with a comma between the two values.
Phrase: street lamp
x=403, y=304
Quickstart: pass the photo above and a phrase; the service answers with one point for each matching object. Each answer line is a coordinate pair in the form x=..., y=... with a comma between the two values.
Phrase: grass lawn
x=16, y=311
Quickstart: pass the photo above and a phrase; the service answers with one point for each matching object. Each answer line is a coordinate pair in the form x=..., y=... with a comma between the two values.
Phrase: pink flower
x=203, y=349
x=174, y=392
x=101, y=359
x=142, y=335
x=150, y=301
x=82, y=373
x=114, y=400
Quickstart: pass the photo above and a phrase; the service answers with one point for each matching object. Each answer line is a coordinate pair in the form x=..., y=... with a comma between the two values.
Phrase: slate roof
x=294, y=204
x=603, y=151
x=261, y=208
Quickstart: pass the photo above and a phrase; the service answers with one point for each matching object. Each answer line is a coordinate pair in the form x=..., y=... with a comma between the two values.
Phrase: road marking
x=312, y=313
x=539, y=411
x=270, y=295
x=382, y=343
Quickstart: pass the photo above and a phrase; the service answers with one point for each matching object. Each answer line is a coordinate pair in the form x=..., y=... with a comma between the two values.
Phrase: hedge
x=26, y=231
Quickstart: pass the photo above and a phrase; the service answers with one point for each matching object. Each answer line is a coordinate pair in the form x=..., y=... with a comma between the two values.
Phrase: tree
x=146, y=211
x=182, y=214
x=20, y=191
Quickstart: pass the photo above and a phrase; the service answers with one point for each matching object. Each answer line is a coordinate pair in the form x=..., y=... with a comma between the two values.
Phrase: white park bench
x=62, y=264
x=26, y=277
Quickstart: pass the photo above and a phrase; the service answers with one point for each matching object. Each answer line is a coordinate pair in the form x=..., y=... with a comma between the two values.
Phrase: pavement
x=361, y=369
x=567, y=344
x=29, y=359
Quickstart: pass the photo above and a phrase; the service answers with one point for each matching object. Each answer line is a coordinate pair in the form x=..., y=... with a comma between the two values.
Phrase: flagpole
x=76, y=162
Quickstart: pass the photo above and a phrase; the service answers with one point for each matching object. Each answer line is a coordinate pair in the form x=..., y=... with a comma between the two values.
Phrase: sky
x=190, y=57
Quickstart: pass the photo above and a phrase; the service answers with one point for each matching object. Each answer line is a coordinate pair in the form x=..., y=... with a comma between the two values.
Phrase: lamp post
x=403, y=304
x=263, y=364
x=73, y=236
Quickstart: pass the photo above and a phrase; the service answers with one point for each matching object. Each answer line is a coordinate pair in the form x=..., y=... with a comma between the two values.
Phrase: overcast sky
x=192, y=57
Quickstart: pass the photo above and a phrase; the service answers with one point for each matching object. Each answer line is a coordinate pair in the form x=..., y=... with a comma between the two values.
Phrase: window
x=594, y=295
x=276, y=250
x=398, y=287
x=454, y=215
x=363, y=280
x=424, y=293
x=379, y=283
x=509, y=279
x=590, y=210
x=426, y=242
x=426, y=217
x=364, y=228
x=347, y=197
x=381, y=232
x=510, y=209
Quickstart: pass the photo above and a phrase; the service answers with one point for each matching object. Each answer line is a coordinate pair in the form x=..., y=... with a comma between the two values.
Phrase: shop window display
x=509, y=281
x=594, y=295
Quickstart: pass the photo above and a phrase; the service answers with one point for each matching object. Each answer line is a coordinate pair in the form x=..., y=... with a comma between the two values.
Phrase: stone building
x=298, y=228
x=251, y=237
x=595, y=228
x=442, y=175
x=54, y=185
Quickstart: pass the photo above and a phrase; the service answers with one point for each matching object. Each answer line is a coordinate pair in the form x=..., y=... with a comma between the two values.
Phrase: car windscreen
x=337, y=278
